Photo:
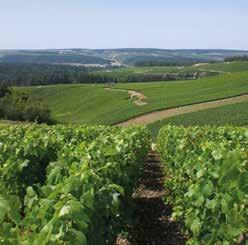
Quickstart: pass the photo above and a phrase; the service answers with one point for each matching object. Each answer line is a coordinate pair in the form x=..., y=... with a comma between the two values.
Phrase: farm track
x=151, y=117
x=152, y=224
x=139, y=97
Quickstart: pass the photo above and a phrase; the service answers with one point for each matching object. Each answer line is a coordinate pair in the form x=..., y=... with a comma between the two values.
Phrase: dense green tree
x=21, y=107
x=4, y=90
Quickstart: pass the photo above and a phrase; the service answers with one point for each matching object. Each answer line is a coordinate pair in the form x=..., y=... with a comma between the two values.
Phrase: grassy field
x=92, y=104
x=236, y=114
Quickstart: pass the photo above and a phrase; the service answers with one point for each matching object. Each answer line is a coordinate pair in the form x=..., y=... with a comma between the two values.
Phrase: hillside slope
x=95, y=104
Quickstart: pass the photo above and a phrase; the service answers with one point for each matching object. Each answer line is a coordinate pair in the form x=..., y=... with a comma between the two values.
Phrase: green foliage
x=76, y=179
x=207, y=174
x=227, y=67
x=237, y=58
x=152, y=63
x=153, y=73
x=45, y=74
x=46, y=57
x=20, y=107
x=4, y=90
x=36, y=111
x=170, y=73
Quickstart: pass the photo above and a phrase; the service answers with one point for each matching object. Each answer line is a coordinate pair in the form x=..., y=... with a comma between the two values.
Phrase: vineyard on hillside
x=94, y=104
x=66, y=184
x=207, y=175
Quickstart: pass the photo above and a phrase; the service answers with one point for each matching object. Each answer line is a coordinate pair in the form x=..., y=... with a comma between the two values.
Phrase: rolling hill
x=115, y=56
x=94, y=104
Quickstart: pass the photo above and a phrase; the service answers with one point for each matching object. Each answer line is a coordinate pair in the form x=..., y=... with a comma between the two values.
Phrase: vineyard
x=123, y=122
x=94, y=104
x=207, y=175
x=65, y=184
x=80, y=185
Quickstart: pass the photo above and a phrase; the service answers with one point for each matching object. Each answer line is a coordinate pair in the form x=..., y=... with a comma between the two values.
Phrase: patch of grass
x=235, y=114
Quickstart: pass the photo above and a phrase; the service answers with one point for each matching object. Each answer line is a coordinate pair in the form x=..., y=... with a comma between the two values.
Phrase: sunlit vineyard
x=207, y=175
x=65, y=184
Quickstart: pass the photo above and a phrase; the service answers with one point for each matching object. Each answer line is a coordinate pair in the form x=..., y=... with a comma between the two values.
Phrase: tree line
x=236, y=58
x=45, y=74
x=19, y=106
x=151, y=63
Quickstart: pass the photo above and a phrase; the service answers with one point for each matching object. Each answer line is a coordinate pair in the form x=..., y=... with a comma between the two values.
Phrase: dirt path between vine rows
x=166, y=113
x=152, y=223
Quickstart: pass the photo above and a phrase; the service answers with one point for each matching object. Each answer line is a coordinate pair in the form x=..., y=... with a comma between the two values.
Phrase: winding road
x=139, y=97
x=166, y=113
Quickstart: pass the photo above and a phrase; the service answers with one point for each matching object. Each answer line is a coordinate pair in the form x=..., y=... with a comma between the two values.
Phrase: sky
x=169, y=24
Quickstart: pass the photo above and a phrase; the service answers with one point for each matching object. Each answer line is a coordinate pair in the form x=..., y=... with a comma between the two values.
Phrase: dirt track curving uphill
x=166, y=113
x=139, y=97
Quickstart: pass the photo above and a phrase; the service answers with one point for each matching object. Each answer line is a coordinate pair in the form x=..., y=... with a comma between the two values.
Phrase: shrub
x=20, y=107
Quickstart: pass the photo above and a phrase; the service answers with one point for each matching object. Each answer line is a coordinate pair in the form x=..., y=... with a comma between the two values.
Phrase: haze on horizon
x=43, y=24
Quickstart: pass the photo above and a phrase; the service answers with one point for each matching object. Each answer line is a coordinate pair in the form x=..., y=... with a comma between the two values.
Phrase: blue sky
x=40, y=24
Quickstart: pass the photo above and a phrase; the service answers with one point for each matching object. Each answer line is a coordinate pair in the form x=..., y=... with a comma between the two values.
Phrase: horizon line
x=169, y=49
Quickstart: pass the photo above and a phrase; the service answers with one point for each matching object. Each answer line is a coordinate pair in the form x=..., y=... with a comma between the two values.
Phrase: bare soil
x=137, y=97
x=152, y=223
